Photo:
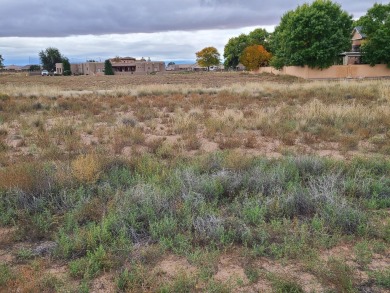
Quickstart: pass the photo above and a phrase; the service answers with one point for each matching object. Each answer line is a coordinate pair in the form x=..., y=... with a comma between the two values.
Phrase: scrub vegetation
x=267, y=184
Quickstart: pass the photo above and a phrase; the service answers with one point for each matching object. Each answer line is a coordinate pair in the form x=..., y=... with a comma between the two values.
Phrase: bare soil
x=93, y=83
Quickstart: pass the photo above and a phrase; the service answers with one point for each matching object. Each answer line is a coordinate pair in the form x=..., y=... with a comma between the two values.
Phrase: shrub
x=137, y=278
x=78, y=268
x=5, y=274
x=208, y=228
x=182, y=283
x=286, y=285
x=382, y=278
x=337, y=273
x=253, y=211
x=166, y=227
x=86, y=168
x=363, y=253
x=33, y=178
x=91, y=265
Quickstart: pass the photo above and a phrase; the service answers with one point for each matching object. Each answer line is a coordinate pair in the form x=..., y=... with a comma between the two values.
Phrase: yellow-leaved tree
x=254, y=57
x=207, y=57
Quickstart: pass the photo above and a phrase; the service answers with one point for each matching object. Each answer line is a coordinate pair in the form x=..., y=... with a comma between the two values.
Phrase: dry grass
x=59, y=118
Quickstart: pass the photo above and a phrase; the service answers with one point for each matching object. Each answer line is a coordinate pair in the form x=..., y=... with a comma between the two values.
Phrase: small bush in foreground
x=382, y=278
x=286, y=285
x=86, y=168
x=5, y=274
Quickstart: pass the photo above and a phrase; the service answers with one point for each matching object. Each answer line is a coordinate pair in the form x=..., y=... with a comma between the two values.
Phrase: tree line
x=314, y=35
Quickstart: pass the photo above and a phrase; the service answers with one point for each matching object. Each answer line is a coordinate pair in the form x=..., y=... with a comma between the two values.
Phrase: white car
x=45, y=73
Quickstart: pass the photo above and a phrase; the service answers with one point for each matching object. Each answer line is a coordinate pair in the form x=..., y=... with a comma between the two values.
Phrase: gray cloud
x=48, y=18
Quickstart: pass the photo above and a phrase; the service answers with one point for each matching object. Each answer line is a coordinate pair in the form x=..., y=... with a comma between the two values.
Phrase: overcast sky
x=162, y=30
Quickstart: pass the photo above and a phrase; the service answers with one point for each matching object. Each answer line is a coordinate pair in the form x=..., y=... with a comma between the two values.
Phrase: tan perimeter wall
x=335, y=71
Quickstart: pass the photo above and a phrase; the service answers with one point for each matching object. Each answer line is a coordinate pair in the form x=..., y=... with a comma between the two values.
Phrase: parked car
x=45, y=73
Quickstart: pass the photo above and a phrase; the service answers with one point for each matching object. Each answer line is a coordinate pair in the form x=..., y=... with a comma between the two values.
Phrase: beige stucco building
x=120, y=66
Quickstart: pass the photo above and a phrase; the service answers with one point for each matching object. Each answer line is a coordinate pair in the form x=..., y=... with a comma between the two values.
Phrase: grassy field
x=209, y=182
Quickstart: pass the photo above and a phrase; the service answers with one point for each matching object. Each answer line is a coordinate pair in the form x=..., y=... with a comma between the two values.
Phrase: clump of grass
x=181, y=284
x=127, y=136
x=24, y=254
x=86, y=168
x=31, y=177
x=5, y=275
x=137, y=278
x=229, y=142
x=192, y=142
x=363, y=253
x=337, y=273
x=382, y=278
x=285, y=284
x=50, y=282
x=90, y=266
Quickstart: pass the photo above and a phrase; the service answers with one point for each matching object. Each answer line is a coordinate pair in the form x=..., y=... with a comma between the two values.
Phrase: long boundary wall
x=335, y=71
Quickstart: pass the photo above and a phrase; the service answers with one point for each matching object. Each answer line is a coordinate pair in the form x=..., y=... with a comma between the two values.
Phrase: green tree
x=66, y=66
x=259, y=36
x=1, y=62
x=207, y=57
x=233, y=50
x=255, y=56
x=313, y=34
x=35, y=68
x=236, y=46
x=49, y=57
x=108, y=68
x=376, y=26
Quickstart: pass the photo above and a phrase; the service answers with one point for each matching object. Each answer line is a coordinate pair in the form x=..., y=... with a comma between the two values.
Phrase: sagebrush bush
x=30, y=177
x=86, y=168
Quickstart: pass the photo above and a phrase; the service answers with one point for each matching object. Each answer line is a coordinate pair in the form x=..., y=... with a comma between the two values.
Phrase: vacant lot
x=209, y=182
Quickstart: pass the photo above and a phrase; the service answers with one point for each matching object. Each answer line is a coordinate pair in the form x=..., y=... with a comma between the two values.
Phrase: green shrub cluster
x=275, y=207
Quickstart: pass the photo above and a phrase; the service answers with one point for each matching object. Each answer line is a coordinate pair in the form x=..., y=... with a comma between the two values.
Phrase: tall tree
x=1, y=62
x=233, y=50
x=259, y=36
x=66, y=66
x=207, y=57
x=35, y=68
x=108, y=68
x=235, y=46
x=255, y=56
x=49, y=57
x=376, y=26
x=313, y=34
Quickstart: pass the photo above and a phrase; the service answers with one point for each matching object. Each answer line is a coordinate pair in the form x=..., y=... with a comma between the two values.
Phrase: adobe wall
x=335, y=71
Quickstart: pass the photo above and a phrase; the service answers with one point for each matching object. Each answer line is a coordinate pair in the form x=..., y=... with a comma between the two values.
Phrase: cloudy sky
x=162, y=30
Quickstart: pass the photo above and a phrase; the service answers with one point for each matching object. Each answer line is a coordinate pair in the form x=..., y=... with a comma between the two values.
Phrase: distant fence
x=333, y=72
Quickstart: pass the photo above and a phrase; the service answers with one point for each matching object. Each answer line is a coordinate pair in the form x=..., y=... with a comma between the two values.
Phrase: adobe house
x=12, y=68
x=180, y=67
x=130, y=65
x=354, y=56
x=120, y=66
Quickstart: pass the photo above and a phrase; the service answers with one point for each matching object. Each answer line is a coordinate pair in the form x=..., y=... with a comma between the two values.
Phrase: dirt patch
x=6, y=256
x=294, y=271
x=6, y=235
x=344, y=251
x=173, y=266
x=230, y=271
x=103, y=284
